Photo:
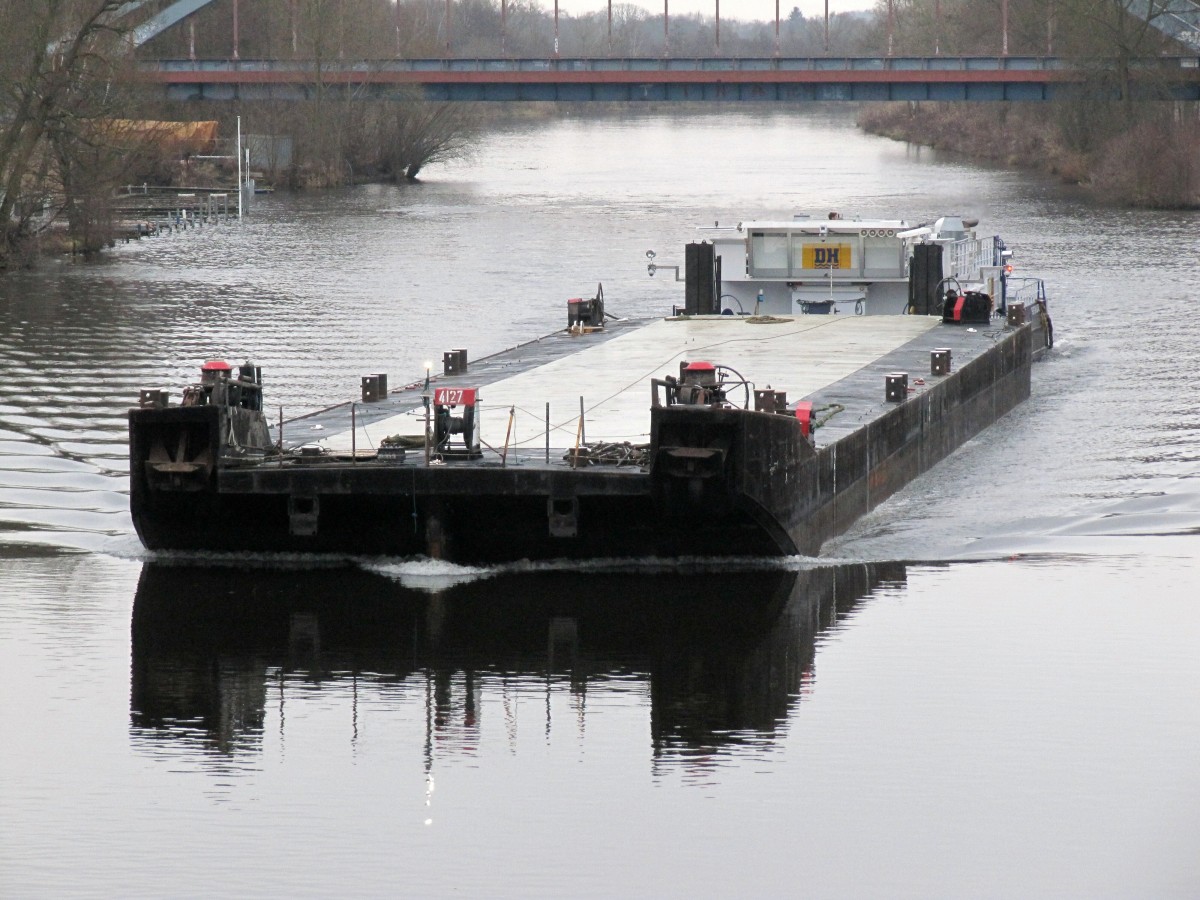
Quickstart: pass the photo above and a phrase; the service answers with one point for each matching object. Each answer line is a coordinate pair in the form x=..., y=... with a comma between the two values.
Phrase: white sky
x=763, y=10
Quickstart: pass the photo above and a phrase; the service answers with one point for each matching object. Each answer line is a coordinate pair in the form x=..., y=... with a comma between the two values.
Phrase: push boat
x=815, y=368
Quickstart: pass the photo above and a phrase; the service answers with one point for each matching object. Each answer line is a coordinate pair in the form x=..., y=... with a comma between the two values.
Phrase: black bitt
x=924, y=276
x=702, y=275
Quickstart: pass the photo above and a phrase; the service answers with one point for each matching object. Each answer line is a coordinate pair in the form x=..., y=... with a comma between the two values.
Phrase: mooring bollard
x=895, y=387
x=939, y=361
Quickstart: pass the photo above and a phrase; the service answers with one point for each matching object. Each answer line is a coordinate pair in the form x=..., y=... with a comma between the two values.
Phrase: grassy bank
x=1142, y=156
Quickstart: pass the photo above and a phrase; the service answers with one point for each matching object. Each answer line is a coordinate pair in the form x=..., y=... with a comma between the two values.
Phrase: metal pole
x=235, y=29
x=449, y=39
x=425, y=398
x=666, y=28
x=776, y=27
x=556, y=29
x=192, y=39
x=891, y=26
x=512, y=414
x=547, y=431
x=239, y=166
x=503, y=26
x=827, y=26
x=610, y=27
x=1004, y=26
x=718, y=24
x=582, y=422
x=353, y=433
x=937, y=27
x=1050, y=29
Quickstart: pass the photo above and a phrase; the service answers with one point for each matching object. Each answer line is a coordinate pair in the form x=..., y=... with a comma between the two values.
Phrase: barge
x=757, y=420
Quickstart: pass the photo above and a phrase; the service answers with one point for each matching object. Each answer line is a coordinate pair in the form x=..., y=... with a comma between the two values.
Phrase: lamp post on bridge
x=1004, y=27
x=666, y=28
x=891, y=25
x=718, y=20
x=776, y=27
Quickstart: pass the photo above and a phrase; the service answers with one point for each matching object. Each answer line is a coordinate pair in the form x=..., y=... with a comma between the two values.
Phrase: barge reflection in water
x=719, y=660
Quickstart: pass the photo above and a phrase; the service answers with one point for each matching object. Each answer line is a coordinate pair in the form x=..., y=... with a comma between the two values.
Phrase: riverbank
x=1149, y=164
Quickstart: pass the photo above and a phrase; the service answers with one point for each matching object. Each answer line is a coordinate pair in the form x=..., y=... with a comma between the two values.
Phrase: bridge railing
x=659, y=64
x=628, y=64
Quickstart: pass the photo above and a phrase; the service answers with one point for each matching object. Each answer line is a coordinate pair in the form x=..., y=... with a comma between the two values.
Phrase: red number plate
x=445, y=396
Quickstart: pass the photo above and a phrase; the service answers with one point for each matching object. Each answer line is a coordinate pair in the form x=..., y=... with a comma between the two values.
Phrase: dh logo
x=826, y=258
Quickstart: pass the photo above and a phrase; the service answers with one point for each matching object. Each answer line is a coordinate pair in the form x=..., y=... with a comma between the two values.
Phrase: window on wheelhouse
x=769, y=254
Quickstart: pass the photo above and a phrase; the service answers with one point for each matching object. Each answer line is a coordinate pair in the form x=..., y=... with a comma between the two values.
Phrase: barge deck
x=737, y=483
x=874, y=351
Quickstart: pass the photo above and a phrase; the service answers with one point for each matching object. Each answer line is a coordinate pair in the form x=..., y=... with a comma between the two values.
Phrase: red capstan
x=216, y=365
x=804, y=415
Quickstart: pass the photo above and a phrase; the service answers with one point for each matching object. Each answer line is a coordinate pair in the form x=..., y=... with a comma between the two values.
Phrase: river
x=989, y=687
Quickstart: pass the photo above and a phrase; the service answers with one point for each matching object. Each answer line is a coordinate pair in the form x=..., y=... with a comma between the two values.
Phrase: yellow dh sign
x=827, y=256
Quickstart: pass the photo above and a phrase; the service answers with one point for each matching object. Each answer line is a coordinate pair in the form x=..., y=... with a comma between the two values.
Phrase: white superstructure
x=847, y=266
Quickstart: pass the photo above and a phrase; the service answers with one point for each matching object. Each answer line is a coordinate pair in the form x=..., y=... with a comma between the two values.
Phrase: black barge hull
x=719, y=482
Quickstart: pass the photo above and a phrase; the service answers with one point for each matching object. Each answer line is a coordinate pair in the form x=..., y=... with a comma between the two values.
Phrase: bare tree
x=55, y=54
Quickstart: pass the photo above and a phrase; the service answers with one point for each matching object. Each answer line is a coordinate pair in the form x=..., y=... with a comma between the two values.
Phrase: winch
x=446, y=424
x=702, y=383
x=969, y=307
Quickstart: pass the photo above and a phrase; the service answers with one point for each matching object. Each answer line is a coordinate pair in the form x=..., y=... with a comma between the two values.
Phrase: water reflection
x=720, y=658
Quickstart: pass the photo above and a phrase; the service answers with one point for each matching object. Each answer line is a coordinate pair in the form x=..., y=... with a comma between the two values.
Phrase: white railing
x=1027, y=290
x=969, y=256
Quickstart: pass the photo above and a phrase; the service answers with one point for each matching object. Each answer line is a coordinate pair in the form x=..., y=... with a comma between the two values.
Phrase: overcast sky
x=730, y=9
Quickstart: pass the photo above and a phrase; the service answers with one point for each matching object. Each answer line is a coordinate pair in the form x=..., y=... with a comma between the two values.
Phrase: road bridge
x=767, y=79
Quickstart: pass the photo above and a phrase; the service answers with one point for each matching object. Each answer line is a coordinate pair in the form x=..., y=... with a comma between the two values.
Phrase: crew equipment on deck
x=446, y=424
x=586, y=313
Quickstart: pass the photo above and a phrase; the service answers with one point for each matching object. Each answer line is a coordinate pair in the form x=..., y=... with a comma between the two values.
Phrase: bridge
x=655, y=79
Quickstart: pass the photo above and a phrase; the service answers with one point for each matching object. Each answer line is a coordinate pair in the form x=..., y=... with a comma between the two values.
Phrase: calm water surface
x=990, y=687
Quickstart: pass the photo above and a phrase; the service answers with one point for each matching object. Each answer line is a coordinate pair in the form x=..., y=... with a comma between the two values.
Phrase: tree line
x=1117, y=132
x=72, y=127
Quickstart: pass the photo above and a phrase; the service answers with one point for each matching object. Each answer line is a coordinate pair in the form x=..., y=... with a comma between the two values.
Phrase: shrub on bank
x=1141, y=156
